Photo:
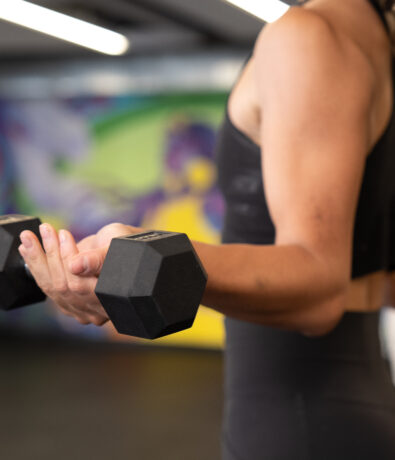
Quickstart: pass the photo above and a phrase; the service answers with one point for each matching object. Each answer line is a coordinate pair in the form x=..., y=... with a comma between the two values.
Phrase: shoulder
x=303, y=50
x=297, y=28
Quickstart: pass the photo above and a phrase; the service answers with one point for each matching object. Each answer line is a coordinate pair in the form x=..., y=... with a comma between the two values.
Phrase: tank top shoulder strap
x=380, y=12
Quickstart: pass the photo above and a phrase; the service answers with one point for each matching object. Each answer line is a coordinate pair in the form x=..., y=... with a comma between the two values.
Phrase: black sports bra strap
x=380, y=12
x=375, y=5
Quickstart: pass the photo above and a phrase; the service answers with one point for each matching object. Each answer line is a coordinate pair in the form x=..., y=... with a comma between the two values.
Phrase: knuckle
x=97, y=320
x=33, y=257
x=83, y=320
x=104, y=320
x=77, y=287
x=49, y=250
x=60, y=287
x=47, y=289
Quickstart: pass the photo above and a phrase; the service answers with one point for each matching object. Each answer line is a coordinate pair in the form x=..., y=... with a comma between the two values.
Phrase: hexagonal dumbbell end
x=151, y=284
x=17, y=287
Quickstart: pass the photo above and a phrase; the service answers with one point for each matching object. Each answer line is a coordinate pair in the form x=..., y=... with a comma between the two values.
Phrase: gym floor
x=77, y=400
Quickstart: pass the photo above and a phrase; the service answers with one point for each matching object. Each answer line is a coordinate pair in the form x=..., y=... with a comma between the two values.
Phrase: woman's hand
x=67, y=272
x=93, y=249
x=104, y=236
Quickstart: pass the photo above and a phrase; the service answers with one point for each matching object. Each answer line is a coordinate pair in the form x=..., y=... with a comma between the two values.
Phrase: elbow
x=325, y=311
x=324, y=315
x=315, y=317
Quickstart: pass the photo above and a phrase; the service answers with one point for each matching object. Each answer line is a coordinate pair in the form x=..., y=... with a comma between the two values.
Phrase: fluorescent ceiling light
x=268, y=10
x=62, y=26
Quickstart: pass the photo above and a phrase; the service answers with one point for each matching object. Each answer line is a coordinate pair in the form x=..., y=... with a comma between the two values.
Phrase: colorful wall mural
x=81, y=163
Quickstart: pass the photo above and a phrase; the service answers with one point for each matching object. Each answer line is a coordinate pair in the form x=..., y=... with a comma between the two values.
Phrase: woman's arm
x=314, y=96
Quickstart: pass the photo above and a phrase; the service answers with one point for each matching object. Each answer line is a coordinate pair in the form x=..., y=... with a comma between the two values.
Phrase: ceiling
x=153, y=26
x=201, y=43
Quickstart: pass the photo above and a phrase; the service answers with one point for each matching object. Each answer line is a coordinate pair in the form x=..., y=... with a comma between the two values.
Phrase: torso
x=372, y=50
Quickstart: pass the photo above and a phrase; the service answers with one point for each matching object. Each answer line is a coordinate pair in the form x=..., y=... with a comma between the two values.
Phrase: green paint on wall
x=128, y=147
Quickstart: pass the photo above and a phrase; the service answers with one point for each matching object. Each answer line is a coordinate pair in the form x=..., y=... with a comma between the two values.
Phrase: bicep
x=314, y=143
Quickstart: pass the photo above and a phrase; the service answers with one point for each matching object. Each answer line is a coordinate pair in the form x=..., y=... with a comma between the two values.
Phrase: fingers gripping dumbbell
x=150, y=285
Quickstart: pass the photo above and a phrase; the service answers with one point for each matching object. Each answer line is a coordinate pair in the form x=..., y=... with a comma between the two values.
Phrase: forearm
x=282, y=286
x=285, y=286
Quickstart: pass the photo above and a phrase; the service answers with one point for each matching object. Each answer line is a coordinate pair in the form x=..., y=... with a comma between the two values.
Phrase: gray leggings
x=290, y=397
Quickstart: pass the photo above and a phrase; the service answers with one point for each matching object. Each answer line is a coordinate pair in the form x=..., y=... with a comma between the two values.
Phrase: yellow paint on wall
x=207, y=331
x=183, y=214
x=56, y=221
x=200, y=175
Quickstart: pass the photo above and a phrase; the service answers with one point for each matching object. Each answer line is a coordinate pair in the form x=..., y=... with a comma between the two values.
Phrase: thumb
x=88, y=263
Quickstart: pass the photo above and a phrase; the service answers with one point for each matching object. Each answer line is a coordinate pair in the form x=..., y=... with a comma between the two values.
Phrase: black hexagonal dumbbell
x=150, y=285
x=17, y=287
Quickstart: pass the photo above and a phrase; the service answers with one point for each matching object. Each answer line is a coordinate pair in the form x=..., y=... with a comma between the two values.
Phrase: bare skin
x=316, y=96
x=368, y=293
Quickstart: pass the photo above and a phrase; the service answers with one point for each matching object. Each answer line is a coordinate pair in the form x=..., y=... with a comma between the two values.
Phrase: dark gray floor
x=85, y=401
